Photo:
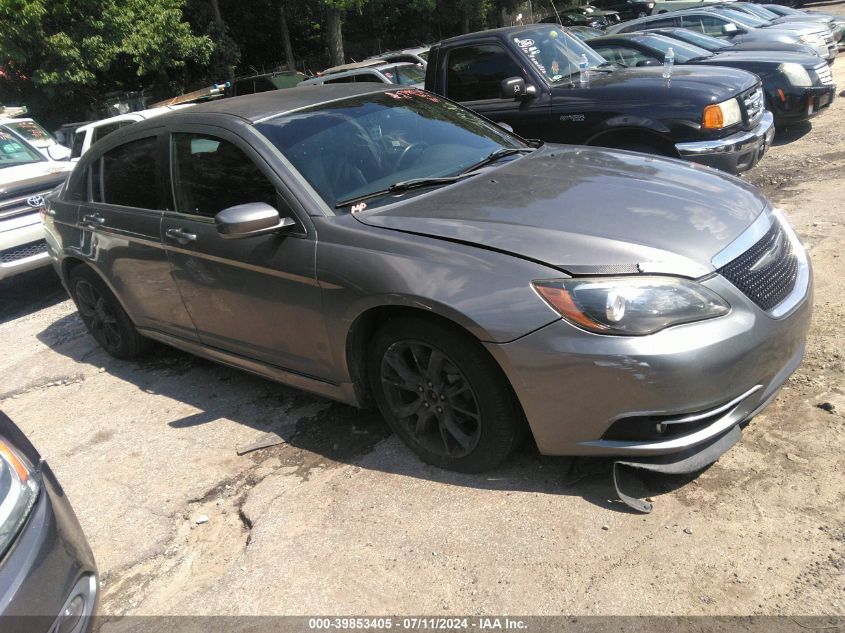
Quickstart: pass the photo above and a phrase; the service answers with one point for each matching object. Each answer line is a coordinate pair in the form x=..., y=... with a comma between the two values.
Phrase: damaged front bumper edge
x=689, y=461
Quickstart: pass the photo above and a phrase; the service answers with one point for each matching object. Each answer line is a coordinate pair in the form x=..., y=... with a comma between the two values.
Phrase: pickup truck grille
x=14, y=207
x=766, y=273
x=823, y=73
x=22, y=252
x=754, y=104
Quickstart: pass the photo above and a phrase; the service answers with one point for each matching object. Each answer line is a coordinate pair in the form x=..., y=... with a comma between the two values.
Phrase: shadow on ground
x=30, y=292
x=336, y=433
x=790, y=133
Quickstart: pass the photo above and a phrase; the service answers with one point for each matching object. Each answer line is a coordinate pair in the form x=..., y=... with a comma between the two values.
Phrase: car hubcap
x=98, y=313
x=431, y=398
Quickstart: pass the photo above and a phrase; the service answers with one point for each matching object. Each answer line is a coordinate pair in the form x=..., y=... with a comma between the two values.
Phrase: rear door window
x=475, y=72
x=129, y=175
x=707, y=24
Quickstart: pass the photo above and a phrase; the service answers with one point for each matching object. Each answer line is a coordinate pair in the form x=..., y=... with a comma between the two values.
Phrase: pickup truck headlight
x=720, y=115
x=19, y=486
x=632, y=306
x=796, y=74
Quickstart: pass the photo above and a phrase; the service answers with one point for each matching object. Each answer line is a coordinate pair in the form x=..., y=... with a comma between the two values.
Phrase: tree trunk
x=464, y=21
x=215, y=11
x=335, y=36
x=289, y=59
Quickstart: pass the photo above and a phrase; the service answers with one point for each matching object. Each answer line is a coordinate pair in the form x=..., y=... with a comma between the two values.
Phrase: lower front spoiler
x=689, y=461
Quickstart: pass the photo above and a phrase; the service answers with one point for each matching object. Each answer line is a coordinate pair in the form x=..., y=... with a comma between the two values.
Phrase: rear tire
x=443, y=395
x=103, y=315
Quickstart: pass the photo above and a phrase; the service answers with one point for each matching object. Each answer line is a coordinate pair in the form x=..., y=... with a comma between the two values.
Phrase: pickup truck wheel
x=103, y=315
x=443, y=395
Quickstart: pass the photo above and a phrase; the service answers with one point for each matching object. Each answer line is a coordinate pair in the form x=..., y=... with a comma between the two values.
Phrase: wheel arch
x=615, y=136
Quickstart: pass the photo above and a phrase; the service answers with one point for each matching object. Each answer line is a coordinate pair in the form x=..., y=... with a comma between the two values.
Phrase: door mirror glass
x=512, y=88
x=249, y=220
x=648, y=62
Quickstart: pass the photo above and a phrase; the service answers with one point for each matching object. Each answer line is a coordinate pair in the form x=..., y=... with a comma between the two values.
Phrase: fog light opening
x=71, y=615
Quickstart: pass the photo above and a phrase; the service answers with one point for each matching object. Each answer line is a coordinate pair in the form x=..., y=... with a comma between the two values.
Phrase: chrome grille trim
x=754, y=104
x=17, y=206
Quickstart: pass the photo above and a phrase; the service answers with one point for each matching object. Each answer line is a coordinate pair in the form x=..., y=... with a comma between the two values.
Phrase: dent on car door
x=256, y=296
x=121, y=235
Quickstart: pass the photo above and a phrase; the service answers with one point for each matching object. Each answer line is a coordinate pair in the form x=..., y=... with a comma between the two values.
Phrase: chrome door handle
x=94, y=219
x=181, y=235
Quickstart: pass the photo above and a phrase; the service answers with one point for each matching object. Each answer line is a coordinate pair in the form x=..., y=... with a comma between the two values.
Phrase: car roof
x=504, y=30
x=353, y=66
x=261, y=105
x=14, y=119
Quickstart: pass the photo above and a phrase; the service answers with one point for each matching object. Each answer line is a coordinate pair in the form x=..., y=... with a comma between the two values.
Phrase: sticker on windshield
x=357, y=208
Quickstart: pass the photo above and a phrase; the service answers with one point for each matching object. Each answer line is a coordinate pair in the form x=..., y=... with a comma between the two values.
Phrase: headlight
x=631, y=306
x=719, y=115
x=19, y=486
x=796, y=74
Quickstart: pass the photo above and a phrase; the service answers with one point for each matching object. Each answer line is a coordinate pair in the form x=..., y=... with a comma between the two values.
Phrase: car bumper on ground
x=22, y=248
x=733, y=154
x=665, y=393
x=49, y=571
x=802, y=104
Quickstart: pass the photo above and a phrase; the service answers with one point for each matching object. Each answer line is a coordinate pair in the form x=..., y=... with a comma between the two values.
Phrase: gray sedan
x=387, y=246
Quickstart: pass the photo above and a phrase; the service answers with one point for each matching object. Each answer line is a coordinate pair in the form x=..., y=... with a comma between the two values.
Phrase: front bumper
x=49, y=563
x=704, y=378
x=735, y=153
x=22, y=248
x=801, y=104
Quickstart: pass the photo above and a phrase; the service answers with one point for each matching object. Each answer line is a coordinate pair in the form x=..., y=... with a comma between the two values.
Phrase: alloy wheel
x=99, y=315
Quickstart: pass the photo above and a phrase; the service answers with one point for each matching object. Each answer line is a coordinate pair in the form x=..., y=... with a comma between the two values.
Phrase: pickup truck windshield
x=13, y=152
x=355, y=147
x=554, y=52
x=683, y=52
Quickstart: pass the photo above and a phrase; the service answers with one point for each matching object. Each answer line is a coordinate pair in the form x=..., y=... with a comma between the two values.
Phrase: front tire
x=103, y=315
x=443, y=395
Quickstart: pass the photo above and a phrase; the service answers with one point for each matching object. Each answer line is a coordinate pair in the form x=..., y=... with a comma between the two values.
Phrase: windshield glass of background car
x=705, y=41
x=555, y=53
x=683, y=51
x=743, y=19
x=32, y=132
x=14, y=152
x=355, y=146
x=408, y=75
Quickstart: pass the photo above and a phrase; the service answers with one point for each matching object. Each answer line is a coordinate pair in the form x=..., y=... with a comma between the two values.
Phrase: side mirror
x=729, y=28
x=58, y=152
x=648, y=62
x=249, y=220
x=513, y=88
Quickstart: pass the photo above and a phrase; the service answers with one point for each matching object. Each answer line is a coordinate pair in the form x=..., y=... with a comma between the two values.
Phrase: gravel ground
x=341, y=518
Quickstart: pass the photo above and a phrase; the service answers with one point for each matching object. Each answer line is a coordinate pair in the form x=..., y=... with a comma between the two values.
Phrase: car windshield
x=554, y=52
x=357, y=146
x=706, y=42
x=14, y=152
x=683, y=52
x=743, y=19
x=32, y=132
x=760, y=12
x=405, y=75
x=286, y=80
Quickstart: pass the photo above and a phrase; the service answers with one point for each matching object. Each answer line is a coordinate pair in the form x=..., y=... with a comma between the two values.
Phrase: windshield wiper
x=399, y=187
x=492, y=157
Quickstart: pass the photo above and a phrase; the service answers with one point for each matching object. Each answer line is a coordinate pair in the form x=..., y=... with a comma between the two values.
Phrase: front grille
x=767, y=271
x=14, y=207
x=823, y=73
x=22, y=252
x=753, y=102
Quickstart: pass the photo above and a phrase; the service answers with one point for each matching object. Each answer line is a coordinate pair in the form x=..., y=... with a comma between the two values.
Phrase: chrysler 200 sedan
x=386, y=245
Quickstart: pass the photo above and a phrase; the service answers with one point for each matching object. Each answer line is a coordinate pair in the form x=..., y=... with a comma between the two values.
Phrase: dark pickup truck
x=529, y=78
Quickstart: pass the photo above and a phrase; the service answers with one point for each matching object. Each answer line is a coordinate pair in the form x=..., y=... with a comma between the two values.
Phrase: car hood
x=30, y=176
x=587, y=210
x=796, y=28
x=773, y=58
x=691, y=83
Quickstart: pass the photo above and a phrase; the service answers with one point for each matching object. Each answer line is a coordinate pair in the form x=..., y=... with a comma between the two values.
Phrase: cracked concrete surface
x=341, y=518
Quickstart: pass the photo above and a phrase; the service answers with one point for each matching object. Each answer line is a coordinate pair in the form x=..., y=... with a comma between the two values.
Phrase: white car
x=26, y=177
x=32, y=133
x=86, y=135
x=665, y=6
x=371, y=71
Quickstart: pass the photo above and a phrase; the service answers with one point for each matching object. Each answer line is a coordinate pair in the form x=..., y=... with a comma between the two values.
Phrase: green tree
x=61, y=55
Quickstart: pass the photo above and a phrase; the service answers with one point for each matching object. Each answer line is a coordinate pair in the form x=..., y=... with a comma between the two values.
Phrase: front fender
x=628, y=122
